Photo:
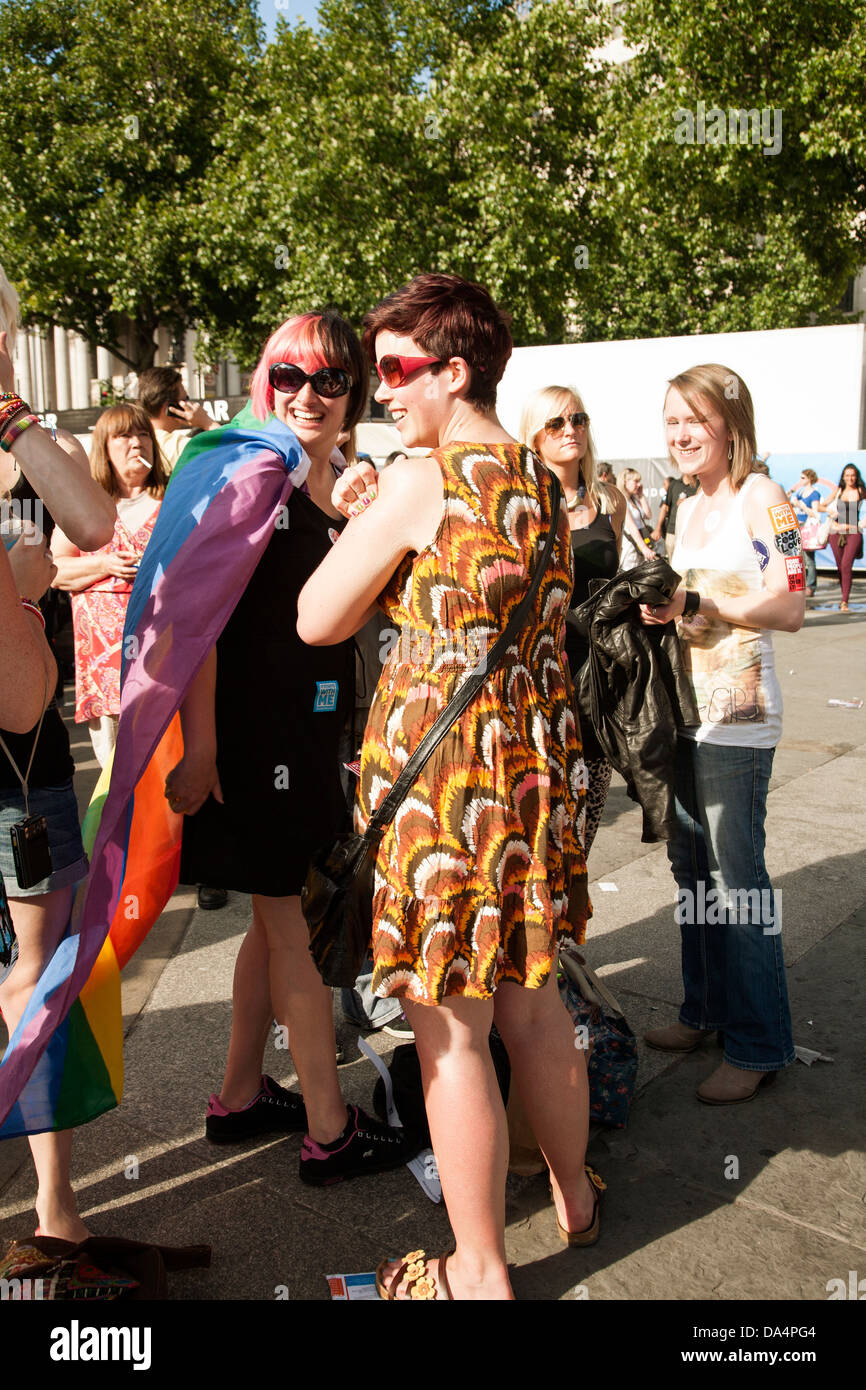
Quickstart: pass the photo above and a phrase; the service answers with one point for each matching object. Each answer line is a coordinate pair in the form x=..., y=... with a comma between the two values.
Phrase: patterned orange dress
x=482, y=869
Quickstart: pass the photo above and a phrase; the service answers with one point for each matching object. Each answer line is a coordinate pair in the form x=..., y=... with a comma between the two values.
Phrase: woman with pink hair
x=259, y=783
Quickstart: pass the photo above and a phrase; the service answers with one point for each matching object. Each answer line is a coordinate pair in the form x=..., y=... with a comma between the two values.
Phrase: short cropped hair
x=128, y=418
x=449, y=317
x=323, y=339
x=159, y=387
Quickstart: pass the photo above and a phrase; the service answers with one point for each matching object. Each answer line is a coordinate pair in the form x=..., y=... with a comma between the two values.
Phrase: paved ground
x=675, y=1225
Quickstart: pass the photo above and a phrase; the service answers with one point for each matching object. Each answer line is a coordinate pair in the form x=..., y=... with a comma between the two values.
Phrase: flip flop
x=593, y=1230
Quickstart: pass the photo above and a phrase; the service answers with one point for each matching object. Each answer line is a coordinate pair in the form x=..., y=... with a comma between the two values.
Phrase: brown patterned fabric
x=482, y=869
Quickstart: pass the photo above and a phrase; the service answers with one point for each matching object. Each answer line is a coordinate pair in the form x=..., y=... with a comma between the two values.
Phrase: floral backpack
x=601, y=1028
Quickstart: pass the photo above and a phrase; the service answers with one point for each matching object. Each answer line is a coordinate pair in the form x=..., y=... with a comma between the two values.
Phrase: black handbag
x=337, y=897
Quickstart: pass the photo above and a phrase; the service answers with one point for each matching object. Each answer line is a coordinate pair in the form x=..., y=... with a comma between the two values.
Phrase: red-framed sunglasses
x=395, y=370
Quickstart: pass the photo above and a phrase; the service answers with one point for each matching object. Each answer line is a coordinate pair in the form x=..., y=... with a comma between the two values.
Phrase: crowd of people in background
x=481, y=878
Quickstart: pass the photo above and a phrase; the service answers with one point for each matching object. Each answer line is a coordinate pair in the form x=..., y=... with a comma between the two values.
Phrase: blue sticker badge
x=762, y=553
x=326, y=696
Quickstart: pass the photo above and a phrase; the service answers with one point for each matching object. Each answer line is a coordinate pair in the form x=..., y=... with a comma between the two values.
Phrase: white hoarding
x=807, y=385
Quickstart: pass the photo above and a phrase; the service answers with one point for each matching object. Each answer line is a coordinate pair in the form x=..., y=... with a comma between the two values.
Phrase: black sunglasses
x=327, y=381
x=578, y=420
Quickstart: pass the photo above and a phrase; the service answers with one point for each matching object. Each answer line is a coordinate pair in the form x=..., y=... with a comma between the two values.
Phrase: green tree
x=408, y=135
x=708, y=237
x=107, y=125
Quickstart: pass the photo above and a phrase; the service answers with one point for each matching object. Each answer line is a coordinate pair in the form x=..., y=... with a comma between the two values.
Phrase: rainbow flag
x=64, y=1062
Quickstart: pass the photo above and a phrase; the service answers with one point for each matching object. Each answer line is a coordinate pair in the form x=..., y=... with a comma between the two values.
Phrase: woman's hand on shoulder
x=340, y=595
x=355, y=489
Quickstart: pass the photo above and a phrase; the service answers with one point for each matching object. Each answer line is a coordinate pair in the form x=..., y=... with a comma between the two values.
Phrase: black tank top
x=595, y=555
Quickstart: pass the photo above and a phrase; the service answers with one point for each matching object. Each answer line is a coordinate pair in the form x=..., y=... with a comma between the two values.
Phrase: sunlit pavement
x=757, y=1201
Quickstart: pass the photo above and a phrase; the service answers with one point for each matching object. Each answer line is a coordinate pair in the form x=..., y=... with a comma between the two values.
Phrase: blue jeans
x=733, y=971
x=811, y=569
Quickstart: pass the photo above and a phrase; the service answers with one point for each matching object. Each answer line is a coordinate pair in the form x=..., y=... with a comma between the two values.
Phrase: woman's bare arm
x=61, y=478
x=28, y=674
x=340, y=595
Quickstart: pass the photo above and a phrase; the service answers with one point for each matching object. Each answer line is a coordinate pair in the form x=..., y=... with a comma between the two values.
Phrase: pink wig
x=297, y=340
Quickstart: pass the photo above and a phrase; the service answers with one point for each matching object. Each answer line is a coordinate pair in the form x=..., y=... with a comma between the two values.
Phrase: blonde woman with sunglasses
x=555, y=426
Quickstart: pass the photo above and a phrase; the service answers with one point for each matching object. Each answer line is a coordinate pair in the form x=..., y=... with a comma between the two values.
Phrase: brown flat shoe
x=677, y=1037
x=593, y=1230
x=421, y=1282
x=730, y=1085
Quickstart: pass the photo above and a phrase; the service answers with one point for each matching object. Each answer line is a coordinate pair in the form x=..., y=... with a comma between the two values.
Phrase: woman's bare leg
x=550, y=1075
x=39, y=925
x=303, y=1003
x=252, y=1015
x=470, y=1139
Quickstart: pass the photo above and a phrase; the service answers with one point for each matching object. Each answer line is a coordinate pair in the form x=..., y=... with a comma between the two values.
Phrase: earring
x=731, y=452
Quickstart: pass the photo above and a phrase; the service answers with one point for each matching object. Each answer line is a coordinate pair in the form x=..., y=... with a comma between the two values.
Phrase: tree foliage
x=160, y=162
x=711, y=237
x=107, y=119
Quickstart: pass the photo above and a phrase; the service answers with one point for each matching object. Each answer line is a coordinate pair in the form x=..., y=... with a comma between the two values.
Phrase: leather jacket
x=633, y=691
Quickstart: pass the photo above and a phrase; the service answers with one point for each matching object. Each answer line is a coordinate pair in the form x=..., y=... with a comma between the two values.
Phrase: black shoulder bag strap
x=469, y=689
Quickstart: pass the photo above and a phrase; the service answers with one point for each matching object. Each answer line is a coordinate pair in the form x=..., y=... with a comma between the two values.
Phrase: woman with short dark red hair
x=481, y=872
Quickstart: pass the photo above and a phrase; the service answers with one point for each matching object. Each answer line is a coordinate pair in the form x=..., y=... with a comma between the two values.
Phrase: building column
x=21, y=362
x=37, y=376
x=46, y=353
x=62, y=374
x=233, y=376
x=193, y=381
x=163, y=347
x=79, y=371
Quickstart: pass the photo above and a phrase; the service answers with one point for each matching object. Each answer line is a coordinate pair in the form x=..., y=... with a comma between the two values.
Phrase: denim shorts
x=68, y=861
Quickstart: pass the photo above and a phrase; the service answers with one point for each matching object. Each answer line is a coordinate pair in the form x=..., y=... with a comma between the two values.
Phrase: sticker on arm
x=762, y=553
x=789, y=542
x=782, y=517
x=796, y=573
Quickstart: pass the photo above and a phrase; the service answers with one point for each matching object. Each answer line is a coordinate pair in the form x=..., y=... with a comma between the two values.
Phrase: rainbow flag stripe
x=64, y=1062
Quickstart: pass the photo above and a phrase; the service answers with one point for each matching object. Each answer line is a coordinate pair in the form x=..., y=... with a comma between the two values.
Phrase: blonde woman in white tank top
x=739, y=550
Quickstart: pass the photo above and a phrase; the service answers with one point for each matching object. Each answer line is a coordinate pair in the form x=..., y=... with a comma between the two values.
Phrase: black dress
x=281, y=708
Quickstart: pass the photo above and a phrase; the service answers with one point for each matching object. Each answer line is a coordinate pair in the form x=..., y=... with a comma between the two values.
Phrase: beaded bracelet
x=33, y=607
x=11, y=408
x=7, y=439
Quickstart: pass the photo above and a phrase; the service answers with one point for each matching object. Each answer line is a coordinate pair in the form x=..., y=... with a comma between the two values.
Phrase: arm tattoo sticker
x=796, y=573
x=782, y=517
x=789, y=542
x=762, y=553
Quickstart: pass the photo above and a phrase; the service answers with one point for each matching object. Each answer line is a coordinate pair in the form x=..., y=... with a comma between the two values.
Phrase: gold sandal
x=421, y=1283
x=593, y=1230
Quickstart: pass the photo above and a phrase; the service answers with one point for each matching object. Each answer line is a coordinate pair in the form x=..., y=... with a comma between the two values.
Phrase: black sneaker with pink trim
x=273, y=1110
x=365, y=1146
